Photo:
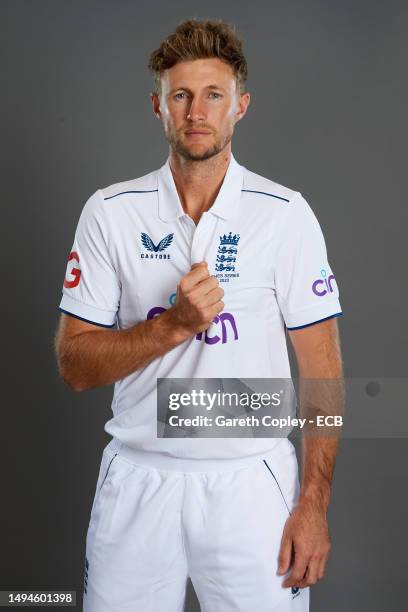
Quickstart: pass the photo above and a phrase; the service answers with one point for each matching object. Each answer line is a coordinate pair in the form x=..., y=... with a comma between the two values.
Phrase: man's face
x=199, y=105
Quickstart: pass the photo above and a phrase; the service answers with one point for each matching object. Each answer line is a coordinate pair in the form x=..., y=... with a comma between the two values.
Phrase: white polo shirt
x=262, y=241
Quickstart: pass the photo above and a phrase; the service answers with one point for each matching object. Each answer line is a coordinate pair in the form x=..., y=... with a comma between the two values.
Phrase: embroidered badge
x=227, y=257
x=156, y=251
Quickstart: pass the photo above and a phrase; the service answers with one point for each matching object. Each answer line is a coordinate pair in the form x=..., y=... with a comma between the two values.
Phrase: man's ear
x=243, y=103
x=154, y=97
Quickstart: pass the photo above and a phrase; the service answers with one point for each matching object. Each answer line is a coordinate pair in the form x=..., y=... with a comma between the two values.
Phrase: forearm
x=318, y=461
x=97, y=358
x=320, y=399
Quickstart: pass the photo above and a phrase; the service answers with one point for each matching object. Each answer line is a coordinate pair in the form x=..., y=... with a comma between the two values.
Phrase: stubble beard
x=178, y=147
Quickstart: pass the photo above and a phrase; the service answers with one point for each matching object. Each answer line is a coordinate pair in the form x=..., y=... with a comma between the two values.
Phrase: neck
x=198, y=182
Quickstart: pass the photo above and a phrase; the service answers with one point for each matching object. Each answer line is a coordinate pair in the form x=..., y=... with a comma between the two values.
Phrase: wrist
x=177, y=330
x=316, y=496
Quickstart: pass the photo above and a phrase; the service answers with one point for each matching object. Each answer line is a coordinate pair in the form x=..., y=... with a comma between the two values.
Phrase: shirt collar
x=228, y=197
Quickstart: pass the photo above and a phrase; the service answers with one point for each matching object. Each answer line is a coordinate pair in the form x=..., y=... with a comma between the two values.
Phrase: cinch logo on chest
x=156, y=251
x=222, y=318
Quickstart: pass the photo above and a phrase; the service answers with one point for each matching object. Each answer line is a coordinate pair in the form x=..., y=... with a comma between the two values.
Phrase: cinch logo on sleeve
x=76, y=272
x=156, y=251
x=323, y=286
x=222, y=318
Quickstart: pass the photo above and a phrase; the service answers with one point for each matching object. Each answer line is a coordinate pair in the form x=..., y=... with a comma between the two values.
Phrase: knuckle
x=303, y=555
x=204, y=320
x=207, y=315
x=192, y=298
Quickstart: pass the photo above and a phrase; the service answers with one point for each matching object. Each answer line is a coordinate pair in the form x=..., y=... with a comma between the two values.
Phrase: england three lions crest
x=227, y=255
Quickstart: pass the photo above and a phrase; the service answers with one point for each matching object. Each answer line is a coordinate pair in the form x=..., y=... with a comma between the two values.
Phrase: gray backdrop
x=329, y=91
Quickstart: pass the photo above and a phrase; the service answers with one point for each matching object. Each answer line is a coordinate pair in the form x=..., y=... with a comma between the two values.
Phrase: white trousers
x=154, y=523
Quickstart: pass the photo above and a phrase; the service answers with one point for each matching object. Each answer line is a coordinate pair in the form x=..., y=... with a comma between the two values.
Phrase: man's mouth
x=196, y=132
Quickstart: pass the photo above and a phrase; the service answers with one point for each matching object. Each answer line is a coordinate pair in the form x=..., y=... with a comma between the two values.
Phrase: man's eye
x=177, y=96
x=214, y=93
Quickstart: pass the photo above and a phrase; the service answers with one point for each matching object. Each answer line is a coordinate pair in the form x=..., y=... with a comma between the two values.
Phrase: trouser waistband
x=169, y=462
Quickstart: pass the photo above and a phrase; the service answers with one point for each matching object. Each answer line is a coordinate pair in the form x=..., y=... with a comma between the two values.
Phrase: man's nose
x=196, y=112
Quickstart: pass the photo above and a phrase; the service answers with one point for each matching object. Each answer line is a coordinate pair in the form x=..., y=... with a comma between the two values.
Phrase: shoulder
x=143, y=184
x=266, y=190
x=291, y=202
x=106, y=202
x=287, y=205
x=113, y=197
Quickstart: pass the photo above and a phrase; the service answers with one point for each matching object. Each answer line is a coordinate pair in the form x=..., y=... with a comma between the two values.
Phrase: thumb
x=285, y=554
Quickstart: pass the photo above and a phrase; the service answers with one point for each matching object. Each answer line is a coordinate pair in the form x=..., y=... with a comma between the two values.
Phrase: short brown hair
x=195, y=39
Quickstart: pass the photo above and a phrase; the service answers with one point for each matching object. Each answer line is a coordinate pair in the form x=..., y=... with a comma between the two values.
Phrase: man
x=200, y=265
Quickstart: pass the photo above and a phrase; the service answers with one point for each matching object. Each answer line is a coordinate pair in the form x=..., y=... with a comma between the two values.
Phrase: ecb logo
x=227, y=253
x=227, y=257
x=323, y=286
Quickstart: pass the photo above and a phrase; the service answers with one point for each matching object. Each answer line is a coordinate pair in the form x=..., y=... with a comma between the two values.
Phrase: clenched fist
x=198, y=301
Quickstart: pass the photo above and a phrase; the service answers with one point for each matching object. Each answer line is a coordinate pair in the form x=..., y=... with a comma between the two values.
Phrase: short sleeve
x=91, y=289
x=306, y=289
